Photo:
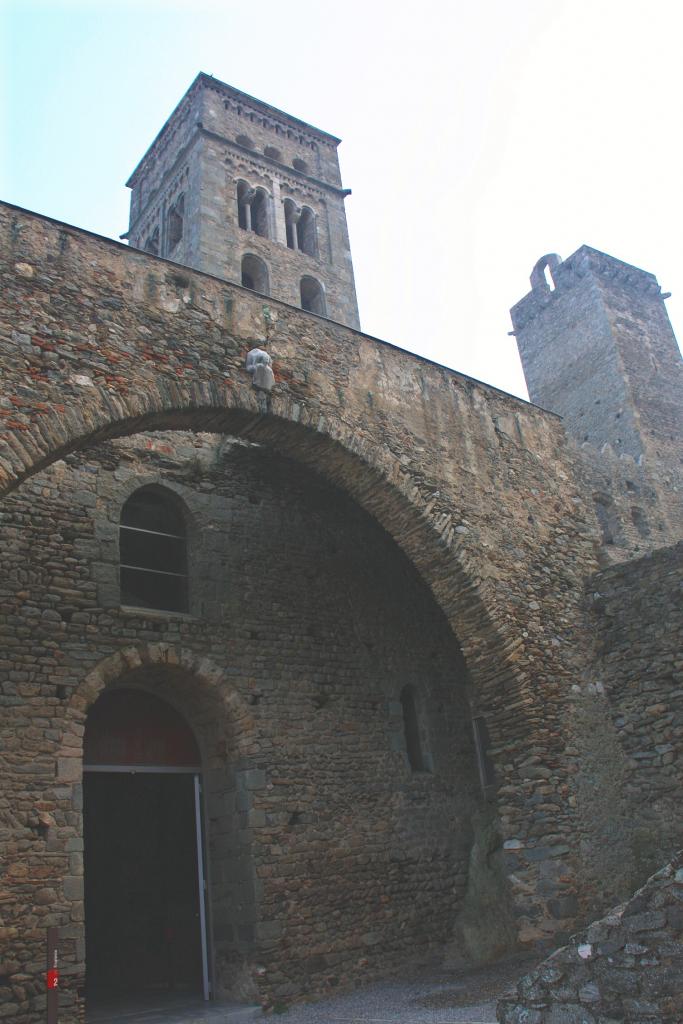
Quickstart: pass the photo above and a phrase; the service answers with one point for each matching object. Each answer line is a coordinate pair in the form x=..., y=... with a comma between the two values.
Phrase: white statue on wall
x=259, y=365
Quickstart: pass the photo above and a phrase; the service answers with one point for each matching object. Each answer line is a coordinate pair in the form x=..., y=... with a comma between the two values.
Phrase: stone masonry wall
x=328, y=857
x=626, y=495
x=478, y=489
x=624, y=969
x=638, y=613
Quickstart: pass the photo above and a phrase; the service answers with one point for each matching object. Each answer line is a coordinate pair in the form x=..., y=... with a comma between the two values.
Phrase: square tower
x=236, y=188
x=597, y=347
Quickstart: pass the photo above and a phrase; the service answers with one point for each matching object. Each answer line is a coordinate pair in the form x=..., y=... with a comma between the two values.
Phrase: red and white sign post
x=52, y=976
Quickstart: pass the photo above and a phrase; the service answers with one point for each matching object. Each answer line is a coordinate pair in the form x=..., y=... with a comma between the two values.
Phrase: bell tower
x=236, y=188
x=597, y=347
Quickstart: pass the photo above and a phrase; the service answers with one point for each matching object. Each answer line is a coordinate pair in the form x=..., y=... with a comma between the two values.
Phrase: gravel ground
x=436, y=997
x=441, y=997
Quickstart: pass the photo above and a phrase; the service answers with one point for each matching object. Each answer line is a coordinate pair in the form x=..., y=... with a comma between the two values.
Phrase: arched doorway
x=144, y=859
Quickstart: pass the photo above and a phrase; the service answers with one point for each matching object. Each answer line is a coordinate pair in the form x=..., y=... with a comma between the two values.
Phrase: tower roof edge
x=202, y=81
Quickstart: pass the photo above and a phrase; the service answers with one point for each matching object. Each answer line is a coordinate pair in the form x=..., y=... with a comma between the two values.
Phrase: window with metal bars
x=153, y=551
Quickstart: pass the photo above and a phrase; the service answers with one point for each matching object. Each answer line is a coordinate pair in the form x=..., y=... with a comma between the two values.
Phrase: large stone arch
x=475, y=487
x=416, y=516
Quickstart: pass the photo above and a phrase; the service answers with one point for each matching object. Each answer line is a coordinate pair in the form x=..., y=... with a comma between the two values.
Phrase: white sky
x=477, y=136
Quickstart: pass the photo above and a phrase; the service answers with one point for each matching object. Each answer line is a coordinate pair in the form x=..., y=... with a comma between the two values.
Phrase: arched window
x=302, y=232
x=151, y=243
x=255, y=274
x=312, y=296
x=176, y=215
x=411, y=730
x=292, y=213
x=252, y=209
x=306, y=232
x=153, y=551
x=259, y=213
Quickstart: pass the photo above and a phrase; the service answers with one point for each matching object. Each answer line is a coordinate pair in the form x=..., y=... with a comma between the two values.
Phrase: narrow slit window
x=153, y=552
x=411, y=729
x=482, y=742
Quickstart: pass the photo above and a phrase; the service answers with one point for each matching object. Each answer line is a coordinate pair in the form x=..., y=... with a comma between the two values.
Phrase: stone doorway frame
x=218, y=705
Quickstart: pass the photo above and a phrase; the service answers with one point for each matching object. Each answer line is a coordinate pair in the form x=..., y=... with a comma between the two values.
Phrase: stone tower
x=597, y=347
x=236, y=188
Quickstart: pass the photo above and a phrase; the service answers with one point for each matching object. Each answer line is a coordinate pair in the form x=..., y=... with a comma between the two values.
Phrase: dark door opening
x=143, y=916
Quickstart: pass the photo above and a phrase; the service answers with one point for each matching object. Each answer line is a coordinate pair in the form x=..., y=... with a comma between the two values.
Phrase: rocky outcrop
x=626, y=968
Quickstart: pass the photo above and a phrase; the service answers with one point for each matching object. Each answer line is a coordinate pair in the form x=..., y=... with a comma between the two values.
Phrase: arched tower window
x=312, y=296
x=302, y=231
x=243, y=208
x=292, y=214
x=307, y=235
x=255, y=274
x=252, y=209
x=411, y=730
x=176, y=216
x=259, y=213
x=151, y=243
x=153, y=551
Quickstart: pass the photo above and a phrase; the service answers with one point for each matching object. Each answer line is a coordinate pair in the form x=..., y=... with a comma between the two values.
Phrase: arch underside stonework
x=473, y=486
x=199, y=690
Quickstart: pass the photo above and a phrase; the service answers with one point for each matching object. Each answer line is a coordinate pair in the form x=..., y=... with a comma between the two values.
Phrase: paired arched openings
x=301, y=228
x=253, y=209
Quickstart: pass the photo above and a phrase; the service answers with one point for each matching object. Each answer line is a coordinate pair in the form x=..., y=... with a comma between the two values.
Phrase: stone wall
x=477, y=489
x=627, y=497
x=624, y=969
x=326, y=850
x=638, y=613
